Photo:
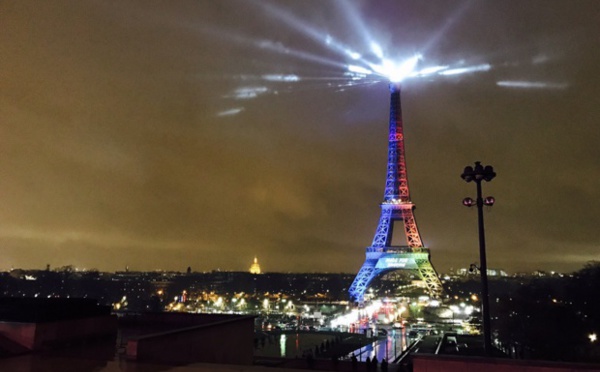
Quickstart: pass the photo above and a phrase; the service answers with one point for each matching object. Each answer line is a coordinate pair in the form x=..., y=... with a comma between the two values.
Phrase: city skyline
x=203, y=134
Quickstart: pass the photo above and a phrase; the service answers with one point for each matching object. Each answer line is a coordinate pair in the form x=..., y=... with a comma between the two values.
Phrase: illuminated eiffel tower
x=382, y=257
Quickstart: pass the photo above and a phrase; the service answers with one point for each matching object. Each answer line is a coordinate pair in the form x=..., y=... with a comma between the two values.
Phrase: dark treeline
x=543, y=317
x=552, y=318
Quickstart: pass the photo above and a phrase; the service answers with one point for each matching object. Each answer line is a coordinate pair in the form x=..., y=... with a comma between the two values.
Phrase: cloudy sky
x=167, y=134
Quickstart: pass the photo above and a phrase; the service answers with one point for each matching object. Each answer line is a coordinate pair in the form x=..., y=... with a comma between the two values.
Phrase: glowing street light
x=478, y=174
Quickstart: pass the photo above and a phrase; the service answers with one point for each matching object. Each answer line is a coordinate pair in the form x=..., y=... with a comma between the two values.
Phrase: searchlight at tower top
x=394, y=71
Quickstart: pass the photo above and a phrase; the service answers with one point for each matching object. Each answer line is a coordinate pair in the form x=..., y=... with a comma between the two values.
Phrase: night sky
x=168, y=134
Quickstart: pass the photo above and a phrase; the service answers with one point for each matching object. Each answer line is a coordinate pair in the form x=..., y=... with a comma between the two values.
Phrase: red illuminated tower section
x=382, y=256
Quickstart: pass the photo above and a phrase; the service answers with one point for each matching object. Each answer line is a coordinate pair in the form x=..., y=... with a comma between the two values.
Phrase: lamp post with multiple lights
x=478, y=174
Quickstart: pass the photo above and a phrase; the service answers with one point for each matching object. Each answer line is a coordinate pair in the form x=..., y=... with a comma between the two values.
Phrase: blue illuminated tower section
x=382, y=256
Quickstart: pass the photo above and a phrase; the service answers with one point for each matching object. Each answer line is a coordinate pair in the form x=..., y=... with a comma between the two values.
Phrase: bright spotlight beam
x=430, y=70
x=396, y=72
x=280, y=48
x=466, y=70
x=359, y=70
x=305, y=28
x=531, y=84
x=281, y=78
x=349, y=8
x=376, y=49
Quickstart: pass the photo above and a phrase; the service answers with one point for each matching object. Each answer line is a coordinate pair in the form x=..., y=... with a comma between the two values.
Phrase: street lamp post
x=478, y=174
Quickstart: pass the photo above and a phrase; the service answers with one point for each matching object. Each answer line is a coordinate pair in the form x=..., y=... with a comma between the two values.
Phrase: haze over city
x=204, y=133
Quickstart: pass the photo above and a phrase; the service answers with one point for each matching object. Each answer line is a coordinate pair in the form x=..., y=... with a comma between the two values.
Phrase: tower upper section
x=396, y=184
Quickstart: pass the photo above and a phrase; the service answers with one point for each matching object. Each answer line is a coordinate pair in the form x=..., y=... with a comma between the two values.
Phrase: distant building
x=490, y=272
x=497, y=272
x=255, y=267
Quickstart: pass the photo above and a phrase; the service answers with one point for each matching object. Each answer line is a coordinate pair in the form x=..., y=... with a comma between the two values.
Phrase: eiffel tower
x=382, y=257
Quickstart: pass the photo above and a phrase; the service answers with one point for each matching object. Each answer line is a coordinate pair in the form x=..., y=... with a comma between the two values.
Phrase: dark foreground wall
x=29, y=324
x=21, y=337
x=37, y=310
x=226, y=340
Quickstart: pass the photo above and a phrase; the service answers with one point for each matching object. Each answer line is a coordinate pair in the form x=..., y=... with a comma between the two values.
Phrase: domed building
x=255, y=267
